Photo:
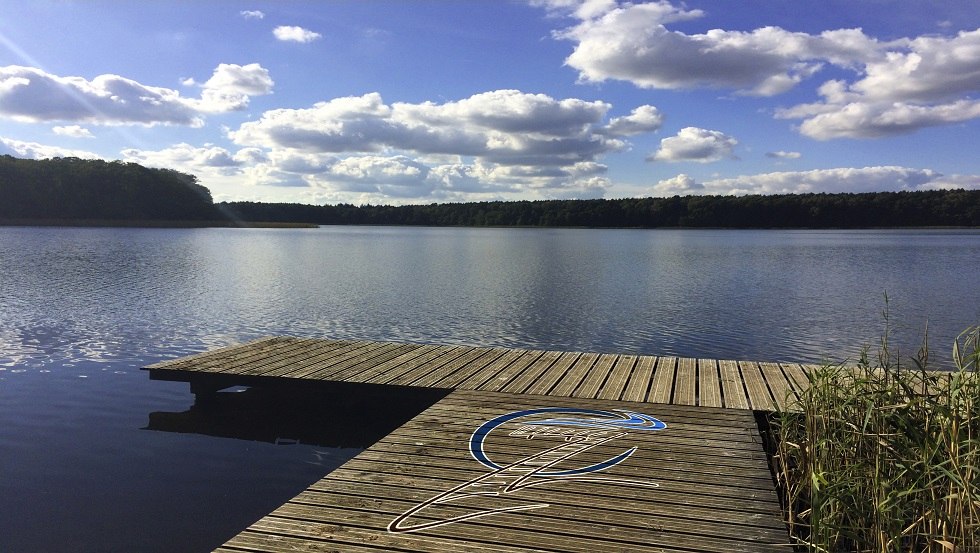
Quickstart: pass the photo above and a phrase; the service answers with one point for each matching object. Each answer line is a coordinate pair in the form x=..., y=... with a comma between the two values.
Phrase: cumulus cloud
x=32, y=95
x=192, y=159
x=252, y=14
x=487, y=146
x=33, y=150
x=631, y=42
x=287, y=33
x=680, y=185
x=784, y=155
x=928, y=83
x=898, y=86
x=231, y=86
x=844, y=179
x=503, y=144
x=507, y=127
x=73, y=131
x=694, y=144
x=643, y=119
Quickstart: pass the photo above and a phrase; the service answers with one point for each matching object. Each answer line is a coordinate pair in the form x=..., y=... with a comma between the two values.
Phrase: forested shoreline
x=96, y=192
x=73, y=189
x=876, y=209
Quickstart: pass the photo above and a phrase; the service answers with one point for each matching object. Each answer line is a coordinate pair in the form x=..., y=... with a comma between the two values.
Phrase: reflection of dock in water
x=453, y=479
x=327, y=415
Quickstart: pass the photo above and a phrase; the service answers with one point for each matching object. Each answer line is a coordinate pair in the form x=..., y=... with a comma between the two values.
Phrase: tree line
x=72, y=189
x=859, y=210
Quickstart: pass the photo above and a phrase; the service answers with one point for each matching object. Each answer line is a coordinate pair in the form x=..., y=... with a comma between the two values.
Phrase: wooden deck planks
x=682, y=381
x=639, y=379
x=657, y=499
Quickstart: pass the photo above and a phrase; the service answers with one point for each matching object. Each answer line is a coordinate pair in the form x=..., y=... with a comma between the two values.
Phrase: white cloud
x=865, y=118
x=33, y=150
x=898, y=86
x=954, y=182
x=32, y=95
x=396, y=176
x=505, y=126
x=680, y=185
x=231, y=86
x=631, y=42
x=288, y=33
x=29, y=94
x=643, y=119
x=73, y=131
x=931, y=82
x=583, y=9
x=252, y=14
x=837, y=180
x=694, y=144
x=185, y=157
x=784, y=155
x=493, y=145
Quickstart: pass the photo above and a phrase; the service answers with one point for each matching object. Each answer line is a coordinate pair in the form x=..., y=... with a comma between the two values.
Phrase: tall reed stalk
x=885, y=458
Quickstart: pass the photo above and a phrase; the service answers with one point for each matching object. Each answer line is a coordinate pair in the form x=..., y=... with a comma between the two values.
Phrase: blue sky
x=393, y=102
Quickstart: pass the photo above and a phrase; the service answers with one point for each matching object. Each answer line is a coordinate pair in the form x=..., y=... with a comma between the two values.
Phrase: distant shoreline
x=135, y=223
x=112, y=223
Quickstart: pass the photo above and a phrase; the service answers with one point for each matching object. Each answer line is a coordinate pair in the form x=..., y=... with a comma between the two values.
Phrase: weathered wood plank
x=709, y=384
x=662, y=386
x=779, y=386
x=759, y=397
x=574, y=375
x=639, y=379
x=501, y=378
x=589, y=387
x=546, y=382
x=732, y=385
x=523, y=381
x=618, y=378
x=685, y=385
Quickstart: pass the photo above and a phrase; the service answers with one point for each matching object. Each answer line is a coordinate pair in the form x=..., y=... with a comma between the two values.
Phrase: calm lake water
x=95, y=457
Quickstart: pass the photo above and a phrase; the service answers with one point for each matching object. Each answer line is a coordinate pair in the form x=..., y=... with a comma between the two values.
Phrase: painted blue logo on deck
x=599, y=420
x=535, y=442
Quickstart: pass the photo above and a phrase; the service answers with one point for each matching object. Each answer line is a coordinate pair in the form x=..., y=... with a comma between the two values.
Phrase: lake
x=95, y=457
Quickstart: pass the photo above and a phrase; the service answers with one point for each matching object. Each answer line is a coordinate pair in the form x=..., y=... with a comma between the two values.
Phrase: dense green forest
x=877, y=209
x=72, y=189
x=79, y=189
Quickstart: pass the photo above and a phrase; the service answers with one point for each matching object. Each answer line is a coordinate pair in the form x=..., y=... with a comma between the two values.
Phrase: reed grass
x=883, y=457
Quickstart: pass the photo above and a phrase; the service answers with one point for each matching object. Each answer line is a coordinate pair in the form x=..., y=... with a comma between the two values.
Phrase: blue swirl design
x=608, y=419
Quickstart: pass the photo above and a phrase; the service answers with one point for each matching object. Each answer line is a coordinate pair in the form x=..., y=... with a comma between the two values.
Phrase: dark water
x=87, y=465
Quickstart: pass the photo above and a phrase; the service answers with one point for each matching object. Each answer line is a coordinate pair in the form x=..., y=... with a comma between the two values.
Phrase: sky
x=406, y=102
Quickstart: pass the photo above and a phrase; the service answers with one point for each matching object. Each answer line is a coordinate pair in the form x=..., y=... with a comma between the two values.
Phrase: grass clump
x=885, y=458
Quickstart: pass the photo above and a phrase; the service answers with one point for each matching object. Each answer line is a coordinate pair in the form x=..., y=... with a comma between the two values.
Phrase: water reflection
x=338, y=415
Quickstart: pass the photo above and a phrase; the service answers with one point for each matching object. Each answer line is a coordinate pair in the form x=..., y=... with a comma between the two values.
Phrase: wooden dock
x=759, y=386
x=529, y=451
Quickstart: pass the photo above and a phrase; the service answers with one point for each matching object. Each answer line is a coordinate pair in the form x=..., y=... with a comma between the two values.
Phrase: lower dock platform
x=487, y=471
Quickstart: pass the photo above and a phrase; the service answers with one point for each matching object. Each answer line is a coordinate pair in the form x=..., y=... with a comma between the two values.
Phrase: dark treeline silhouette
x=72, y=189
x=875, y=209
x=85, y=189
